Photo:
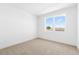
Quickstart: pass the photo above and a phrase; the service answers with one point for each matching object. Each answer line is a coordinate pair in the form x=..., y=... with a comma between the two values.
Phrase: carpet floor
x=40, y=47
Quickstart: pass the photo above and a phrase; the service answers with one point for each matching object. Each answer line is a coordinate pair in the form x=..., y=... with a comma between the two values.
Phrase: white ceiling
x=41, y=8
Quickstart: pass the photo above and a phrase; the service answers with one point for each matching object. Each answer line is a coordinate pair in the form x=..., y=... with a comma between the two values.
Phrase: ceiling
x=41, y=8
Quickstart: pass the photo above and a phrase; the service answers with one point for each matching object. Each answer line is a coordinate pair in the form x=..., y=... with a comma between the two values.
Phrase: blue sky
x=49, y=21
x=59, y=21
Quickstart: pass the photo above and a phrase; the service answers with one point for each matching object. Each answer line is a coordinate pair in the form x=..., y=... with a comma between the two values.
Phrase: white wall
x=16, y=26
x=78, y=26
x=69, y=36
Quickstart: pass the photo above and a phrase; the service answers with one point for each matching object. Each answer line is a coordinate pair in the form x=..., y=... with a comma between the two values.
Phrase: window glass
x=60, y=23
x=49, y=23
x=56, y=23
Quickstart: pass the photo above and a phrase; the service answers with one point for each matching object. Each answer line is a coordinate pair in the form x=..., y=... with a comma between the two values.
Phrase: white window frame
x=54, y=22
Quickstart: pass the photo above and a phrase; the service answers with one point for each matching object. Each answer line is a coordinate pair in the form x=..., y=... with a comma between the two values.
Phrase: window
x=56, y=23
x=49, y=23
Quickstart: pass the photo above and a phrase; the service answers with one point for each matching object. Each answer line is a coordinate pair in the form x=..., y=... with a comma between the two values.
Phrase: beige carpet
x=40, y=47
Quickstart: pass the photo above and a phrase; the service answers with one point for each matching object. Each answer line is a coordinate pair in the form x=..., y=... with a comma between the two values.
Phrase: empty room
x=39, y=29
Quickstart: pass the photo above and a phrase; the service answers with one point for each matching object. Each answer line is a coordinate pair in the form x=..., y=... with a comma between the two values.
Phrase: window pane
x=60, y=23
x=49, y=23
